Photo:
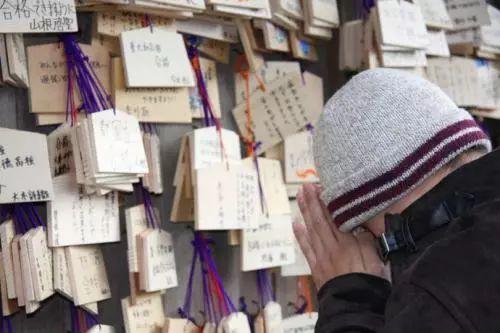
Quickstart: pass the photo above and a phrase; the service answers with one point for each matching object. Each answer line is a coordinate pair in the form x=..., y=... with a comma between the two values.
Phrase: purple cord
x=186, y=309
x=21, y=221
x=74, y=328
x=209, y=116
x=29, y=214
x=213, y=268
x=145, y=197
x=93, y=94
x=264, y=287
x=37, y=215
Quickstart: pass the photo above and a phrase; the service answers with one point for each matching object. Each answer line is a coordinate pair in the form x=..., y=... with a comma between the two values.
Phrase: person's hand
x=330, y=252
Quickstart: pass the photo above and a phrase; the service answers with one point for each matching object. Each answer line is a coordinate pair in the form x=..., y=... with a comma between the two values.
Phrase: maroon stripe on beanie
x=414, y=178
x=403, y=166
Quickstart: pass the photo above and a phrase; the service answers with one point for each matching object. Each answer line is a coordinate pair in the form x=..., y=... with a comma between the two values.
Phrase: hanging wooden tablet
x=256, y=36
x=273, y=318
x=292, y=8
x=299, y=160
x=183, y=204
x=275, y=37
x=118, y=143
x=178, y=325
x=276, y=113
x=78, y=219
x=40, y=258
x=18, y=277
x=9, y=306
x=237, y=322
x=181, y=159
x=60, y=152
x=438, y=45
x=313, y=26
x=101, y=329
x=227, y=198
x=234, y=238
x=303, y=47
x=157, y=268
x=146, y=316
x=185, y=4
x=220, y=325
x=151, y=105
x=7, y=233
x=326, y=11
x=209, y=71
x=305, y=322
x=255, y=60
x=466, y=14
x=271, y=71
x=220, y=31
x=114, y=23
x=270, y=245
x=29, y=295
x=313, y=89
x=406, y=29
x=263, y=13
x=24, y=167
x=48, y=74
x=209, y=328
x=16, y=56
x=300, y=267
x=87, y=272
x=285, y=21
x=258, y=324
x=155, y=58
x=398, y=59
x=208, y=147
x=62, y=283
x=4, y=63
x=352, y=44
x=27, y=17
x=136, y=223
x=146, y=139
x=435, y=14
x=215, y=49
x=148, y=6
x=43, y=119
x=273, y=187
x=242, y=4
x=155, y=173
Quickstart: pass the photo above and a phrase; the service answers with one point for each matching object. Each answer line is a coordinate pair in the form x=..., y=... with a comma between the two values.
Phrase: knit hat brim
x=355, y=207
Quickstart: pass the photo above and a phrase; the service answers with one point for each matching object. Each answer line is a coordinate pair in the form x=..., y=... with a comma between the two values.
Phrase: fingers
x=335, y=230
x=321, y=223
x=300, y=232
x=315, y=240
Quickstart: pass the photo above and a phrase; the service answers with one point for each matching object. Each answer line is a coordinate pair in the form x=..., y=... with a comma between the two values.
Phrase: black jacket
x=450, y=284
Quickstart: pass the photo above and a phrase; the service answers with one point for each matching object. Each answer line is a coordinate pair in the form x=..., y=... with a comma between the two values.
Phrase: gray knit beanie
x=383, y=134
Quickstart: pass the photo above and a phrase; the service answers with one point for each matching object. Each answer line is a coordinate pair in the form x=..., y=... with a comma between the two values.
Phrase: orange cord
x=304, y=290
x=241, y=67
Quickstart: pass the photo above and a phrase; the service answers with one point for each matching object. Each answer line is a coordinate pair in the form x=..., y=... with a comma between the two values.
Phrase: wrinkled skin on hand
x=330, y=252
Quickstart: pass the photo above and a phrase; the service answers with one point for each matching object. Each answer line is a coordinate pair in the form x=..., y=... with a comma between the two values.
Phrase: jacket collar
x=457, y=194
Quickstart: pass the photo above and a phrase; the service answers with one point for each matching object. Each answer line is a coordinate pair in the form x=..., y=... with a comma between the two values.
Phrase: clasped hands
x=330, y=252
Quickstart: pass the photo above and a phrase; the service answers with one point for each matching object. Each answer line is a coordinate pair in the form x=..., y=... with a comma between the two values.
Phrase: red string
x=220, y=296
